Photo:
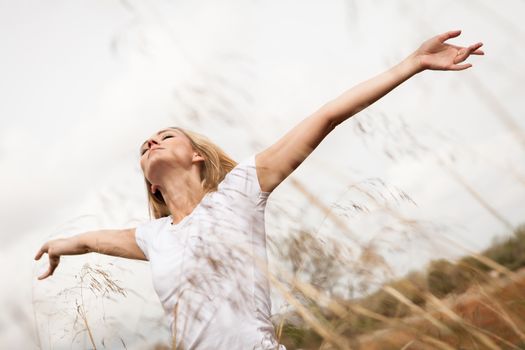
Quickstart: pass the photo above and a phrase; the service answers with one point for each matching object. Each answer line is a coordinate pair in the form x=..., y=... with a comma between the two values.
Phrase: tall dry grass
x=465, y=304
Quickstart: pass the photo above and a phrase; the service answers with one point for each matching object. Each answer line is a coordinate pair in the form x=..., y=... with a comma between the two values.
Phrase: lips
x=153, y=149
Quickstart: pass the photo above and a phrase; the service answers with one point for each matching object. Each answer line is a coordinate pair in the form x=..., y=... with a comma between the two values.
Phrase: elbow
x=328, y=114
x=82, y=245
x=332, y=124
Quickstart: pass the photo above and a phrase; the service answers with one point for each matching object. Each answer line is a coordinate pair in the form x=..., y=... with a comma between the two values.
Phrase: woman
x=207, y=246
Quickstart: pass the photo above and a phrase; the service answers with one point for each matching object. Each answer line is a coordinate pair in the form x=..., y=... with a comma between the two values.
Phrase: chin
x=156, y=168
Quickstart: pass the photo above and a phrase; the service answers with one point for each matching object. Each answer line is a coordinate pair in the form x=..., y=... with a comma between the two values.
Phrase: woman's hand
x=435, y=54
x=54, y=249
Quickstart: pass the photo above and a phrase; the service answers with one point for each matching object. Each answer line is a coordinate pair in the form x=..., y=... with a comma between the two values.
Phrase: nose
x=152, y=142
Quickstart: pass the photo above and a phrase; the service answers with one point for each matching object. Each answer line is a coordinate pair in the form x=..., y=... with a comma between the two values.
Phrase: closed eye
x=163, y=138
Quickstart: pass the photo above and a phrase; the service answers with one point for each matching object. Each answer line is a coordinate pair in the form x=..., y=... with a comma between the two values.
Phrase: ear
x=197, y=156
x=154, y=189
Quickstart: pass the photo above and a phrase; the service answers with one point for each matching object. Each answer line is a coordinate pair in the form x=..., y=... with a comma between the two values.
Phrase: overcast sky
x=84, y=83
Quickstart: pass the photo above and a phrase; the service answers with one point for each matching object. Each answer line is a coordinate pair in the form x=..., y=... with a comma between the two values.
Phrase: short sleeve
x=242, y=181
x=141, y=236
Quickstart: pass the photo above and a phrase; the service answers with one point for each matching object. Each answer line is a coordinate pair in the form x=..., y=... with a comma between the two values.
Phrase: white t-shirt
x=208, y=269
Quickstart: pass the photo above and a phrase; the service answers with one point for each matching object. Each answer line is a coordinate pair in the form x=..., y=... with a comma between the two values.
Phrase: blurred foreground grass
x=477, y=302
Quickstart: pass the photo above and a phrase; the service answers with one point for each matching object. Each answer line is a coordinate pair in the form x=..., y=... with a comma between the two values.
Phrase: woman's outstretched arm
x=433, y=54
x=280, y=159
x=119, y=243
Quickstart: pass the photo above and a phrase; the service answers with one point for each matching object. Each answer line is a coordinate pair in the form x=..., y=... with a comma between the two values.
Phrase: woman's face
x=165, y=149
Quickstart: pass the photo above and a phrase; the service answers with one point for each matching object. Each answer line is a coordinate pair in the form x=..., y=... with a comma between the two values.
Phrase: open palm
x=435, y=54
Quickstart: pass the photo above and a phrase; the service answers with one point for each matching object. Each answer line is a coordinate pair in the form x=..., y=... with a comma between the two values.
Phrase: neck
x=182, y=192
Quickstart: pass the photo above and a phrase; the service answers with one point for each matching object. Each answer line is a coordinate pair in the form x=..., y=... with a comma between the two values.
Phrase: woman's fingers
x=464, y=52
x=46, y=274
x=41, y=251
x=53, y=263
x=475, y=47
x=472, y=49
x=475, y=50
x=461, y=55
x=450, y=34
x=54, y=260
x=460, y=66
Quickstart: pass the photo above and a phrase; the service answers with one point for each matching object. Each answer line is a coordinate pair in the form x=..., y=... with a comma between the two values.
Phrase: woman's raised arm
x=279, y=160
x=119, y=243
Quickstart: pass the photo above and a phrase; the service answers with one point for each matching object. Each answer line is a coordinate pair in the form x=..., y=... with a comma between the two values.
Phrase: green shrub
x=509, y=252
x=439, y=278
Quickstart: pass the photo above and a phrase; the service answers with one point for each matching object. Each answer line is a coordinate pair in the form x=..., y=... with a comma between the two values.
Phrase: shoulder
x=242, y=181
x=152, y=226
x=241, y=174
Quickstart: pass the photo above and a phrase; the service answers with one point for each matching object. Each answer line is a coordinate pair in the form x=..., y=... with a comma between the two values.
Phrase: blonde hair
x=216, y=165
